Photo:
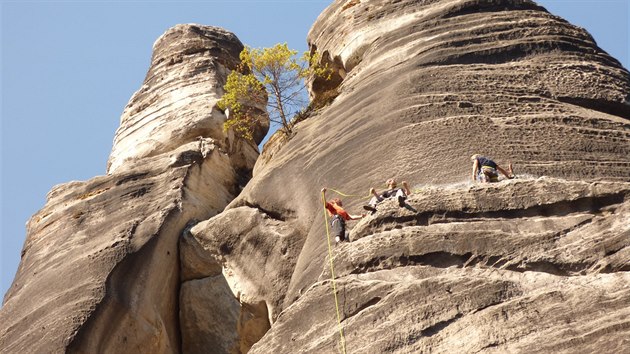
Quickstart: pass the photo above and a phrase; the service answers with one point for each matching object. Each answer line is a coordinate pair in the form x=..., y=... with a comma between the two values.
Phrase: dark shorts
x=338, y=227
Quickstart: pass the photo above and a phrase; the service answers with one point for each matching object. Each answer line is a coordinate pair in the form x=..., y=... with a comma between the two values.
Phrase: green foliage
x=242, y=92
x=273, y=77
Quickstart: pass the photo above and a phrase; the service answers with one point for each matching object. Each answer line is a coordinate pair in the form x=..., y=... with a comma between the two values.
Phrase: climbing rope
x=332, y=272
x=350, y=195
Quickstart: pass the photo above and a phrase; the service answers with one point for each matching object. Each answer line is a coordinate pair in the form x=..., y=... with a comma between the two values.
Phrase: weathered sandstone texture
x=100, y=269
x=176, y=103
x=499, y=268
x=530, y=265
x=442, y=79
x=137, y=261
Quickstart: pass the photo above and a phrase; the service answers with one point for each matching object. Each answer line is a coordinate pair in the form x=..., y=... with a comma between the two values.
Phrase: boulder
x=213, y=320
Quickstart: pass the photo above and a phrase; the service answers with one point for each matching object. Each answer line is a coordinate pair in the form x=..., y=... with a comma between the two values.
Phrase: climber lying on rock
x=391, y=191
x=485, y=170
x=338, y=218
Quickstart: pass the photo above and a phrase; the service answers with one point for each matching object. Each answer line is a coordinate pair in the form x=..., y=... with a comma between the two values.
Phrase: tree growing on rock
x=271, y=77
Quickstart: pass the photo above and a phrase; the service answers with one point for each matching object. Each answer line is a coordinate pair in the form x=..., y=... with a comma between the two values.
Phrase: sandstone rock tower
x=100, y=266
x=168, y=254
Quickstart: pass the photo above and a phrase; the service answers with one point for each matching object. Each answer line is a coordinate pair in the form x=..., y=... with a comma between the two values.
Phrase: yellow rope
x=350, y=195
x=332, y=272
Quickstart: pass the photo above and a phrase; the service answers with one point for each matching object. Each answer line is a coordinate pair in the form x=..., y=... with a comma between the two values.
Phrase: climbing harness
x=332, y=272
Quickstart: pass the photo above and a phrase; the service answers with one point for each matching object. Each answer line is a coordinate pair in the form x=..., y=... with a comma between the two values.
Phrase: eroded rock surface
x=536, y=264
x=176, y=103
x=100, y=268
x=420, y=309
x=439, y=79
x=422, y=86
x=215, y=312
x=496, y=268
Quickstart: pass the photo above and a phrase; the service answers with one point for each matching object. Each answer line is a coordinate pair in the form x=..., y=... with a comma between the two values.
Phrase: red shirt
x=334, y=209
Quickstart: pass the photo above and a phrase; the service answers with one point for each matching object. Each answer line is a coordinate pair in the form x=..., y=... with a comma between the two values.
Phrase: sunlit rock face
x=422, y=86
x=170, y=253
x=177, y=101
x=443, y=79
x=531, y=265
x=100, y=269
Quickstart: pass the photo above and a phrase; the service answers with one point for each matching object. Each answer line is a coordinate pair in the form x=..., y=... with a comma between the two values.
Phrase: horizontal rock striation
x=101, y=267
x=176, y=103
x=421, y=309
x=522, y=266
x=443, y=79
x=422, y=85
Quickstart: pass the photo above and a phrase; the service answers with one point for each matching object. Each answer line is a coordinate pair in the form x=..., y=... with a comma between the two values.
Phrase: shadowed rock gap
x=366, y=305
x=276, y=215
x=618, y=109
x=476, y=6
x=436, y=328
x=443, y=259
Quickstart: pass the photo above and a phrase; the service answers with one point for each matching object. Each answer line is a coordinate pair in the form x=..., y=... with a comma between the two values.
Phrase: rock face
x=100, y=269
x=137, y=261
x=531, y=265
x=176, y=103
x=497, y=268
x=444, y=78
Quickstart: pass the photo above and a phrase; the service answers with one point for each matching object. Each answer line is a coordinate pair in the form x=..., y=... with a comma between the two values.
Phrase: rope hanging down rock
x=332, y=272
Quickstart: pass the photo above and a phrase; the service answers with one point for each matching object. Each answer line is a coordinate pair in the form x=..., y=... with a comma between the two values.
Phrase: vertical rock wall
x=531, y=265
x=422, y=85
x=176, y=103
x=444, y=79
x=100, y=268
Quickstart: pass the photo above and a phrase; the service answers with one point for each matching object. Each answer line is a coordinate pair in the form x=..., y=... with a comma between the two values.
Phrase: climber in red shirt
x=338, y=217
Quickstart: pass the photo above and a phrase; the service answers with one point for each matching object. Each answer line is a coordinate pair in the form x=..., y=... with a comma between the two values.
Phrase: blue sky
x=68, y=69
